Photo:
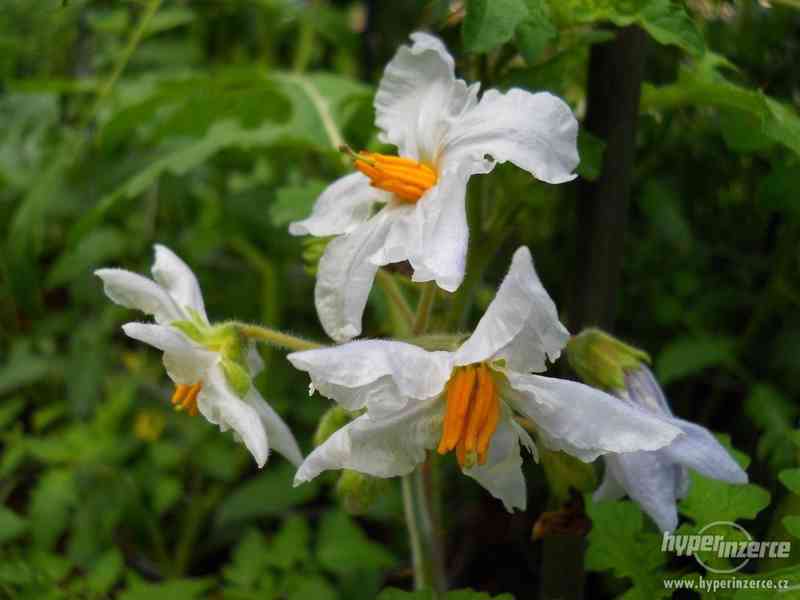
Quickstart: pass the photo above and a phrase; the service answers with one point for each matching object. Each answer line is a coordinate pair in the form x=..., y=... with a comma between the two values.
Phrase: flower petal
x=345, y=276
x=521, y=324
x=698, y=449
x=381, y=447
x=279, y=436
x=134, y=291
x=441, y=253
x=174, y=276
x=583, y=421
x=255, y=364
x=643, y=389
x=536, y=132
x=380, y=375
x=650, y=480
x=185, y=361
x=609, y=488
x=419, y=96
x=220, y=406
x=342, y=206
x=502, y=474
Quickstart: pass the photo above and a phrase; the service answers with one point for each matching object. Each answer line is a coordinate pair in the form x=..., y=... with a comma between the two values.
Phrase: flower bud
x=333, y=420
x=601, y=360
x=358, y=492
x=313, y=249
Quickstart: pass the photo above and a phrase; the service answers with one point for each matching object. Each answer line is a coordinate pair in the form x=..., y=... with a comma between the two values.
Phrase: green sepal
x=237, y=376
x=190, y=330
x=602, y=360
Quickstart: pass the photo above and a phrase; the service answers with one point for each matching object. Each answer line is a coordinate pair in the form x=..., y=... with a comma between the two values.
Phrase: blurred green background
x=199, y=125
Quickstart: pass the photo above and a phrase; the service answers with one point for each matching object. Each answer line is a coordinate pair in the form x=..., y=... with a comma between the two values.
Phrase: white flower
x=199, y=370
x=657, y=479
x=415, y=400
x=444, y=134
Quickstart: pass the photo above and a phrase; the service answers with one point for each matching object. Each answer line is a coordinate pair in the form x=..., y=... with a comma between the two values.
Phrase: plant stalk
x=277, y=338
x=427, y=563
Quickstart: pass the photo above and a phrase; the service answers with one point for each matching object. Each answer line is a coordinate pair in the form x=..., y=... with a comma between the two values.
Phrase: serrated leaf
x=490, y=23
x=343, y=547
x=690, y=355
x=619, y=542
x=666, y=20
x=710, y=500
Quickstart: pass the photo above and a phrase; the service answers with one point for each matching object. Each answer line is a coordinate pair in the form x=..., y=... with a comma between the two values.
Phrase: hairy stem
x=428, y=571
x=276, y=338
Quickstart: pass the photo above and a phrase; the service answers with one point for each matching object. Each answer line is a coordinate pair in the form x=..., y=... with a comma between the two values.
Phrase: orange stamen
x=459, y=392
x=404, y=177
x=185, y=398
x=472, y=415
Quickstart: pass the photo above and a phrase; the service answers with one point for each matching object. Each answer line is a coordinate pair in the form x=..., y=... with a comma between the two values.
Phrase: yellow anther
x=185, y=397
x=406, y=178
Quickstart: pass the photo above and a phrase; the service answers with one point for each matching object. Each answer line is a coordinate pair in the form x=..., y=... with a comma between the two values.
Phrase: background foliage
x=209, y=125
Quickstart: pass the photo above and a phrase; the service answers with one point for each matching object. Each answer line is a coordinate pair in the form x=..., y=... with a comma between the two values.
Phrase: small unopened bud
x=358, y=491
x=331, y=422
x=602, y=360
x=313, y=249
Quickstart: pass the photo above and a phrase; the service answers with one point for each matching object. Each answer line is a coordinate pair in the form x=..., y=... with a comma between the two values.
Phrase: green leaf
x=663, y=209
x=702, y=85
x=619, y=543
x=536, y=32
x=177, y=589
x=22, y=370
x=105, y=572
x=304, y=587
x=295, y=202
x=104, y=245
x=465, y=594
x=791, y=479
x=344, y=548
x=490, y=23
x=792, y=525
x=52, y=501
x=774, y=416
x=690, y=355
x=666, y=20
x=291, y=545
x=269, y=493
x=11, y=525
x=710, y=500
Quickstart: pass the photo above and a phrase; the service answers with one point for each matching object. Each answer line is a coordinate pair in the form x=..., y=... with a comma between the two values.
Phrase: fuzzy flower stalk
x=412, y=205
x=468, y=401
x=654, y=479
x=212, y=366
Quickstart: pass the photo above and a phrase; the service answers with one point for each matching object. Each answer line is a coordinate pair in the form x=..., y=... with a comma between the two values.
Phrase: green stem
x=428, y=571
x=424, y=309
x=276, y=338
x=133, y=42
x=395, y=295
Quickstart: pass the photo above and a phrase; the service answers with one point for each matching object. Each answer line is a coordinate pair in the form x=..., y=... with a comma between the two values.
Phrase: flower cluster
x=481, y=399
